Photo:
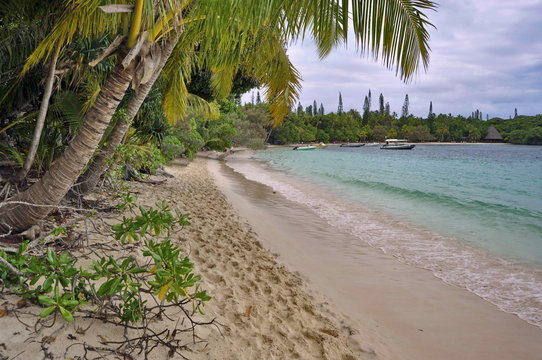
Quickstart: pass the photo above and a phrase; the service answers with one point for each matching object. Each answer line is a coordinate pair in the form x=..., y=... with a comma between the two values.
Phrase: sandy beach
x=416, y=315
x=262, y=310
x=283, y=287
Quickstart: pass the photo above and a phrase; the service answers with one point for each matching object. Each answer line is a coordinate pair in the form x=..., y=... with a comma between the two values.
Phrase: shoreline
x=260, y=309
x=271, y=146
x=417, y=314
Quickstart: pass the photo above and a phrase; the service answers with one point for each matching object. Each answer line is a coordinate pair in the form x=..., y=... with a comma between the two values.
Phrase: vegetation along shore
x=115, y=241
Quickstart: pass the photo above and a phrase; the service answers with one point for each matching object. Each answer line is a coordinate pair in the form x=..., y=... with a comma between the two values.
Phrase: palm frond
x=81, y=18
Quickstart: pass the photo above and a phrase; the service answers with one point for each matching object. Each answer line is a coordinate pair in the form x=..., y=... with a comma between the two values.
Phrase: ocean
x=471, y=214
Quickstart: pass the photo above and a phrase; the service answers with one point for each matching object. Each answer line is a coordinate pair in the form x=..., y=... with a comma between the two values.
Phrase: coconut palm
x=263, y=57
x=395, y=30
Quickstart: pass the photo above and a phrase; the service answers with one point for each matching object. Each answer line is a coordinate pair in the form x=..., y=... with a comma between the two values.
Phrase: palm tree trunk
x=29, y=161
x=90, y=178
x=27, y=208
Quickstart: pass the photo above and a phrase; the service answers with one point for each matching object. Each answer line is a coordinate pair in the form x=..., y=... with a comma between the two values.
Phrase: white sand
x=416, y=315
x=266, y=311
x=390, y=310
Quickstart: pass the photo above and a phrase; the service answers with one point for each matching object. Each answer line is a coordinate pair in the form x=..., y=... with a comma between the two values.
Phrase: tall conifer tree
x=431, y=115
x=387, y=109
x=404, y=113
x=340, y=109
x=381, y=103
x=258, y=99
x=366, y=109
x=321, y=109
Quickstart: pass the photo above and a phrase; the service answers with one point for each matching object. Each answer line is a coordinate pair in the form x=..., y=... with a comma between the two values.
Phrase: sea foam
x=512, y=287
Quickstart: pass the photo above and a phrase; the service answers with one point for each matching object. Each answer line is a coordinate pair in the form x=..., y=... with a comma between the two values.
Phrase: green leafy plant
x=173, y=276
x=115, y=285
x=155, y=221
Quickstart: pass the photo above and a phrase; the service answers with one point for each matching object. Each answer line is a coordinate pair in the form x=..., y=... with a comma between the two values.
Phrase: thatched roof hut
x=493, y=135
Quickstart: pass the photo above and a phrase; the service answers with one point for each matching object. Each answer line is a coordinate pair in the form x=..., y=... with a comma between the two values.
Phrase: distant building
x=493, y=135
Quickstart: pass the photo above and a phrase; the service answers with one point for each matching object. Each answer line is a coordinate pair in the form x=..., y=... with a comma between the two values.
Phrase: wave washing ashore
x=471, y=214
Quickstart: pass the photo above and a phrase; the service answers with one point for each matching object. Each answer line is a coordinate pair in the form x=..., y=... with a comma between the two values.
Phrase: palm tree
x=395, y=30
x=264, y=58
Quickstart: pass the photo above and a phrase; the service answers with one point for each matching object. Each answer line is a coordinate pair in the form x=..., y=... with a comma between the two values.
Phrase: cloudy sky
x=485, y=54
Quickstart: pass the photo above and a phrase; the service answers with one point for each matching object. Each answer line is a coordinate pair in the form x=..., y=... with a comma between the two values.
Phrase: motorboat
x=397, y=144
x=352, y=144
x=321, y=145
x=305, y=147
x=372, y=144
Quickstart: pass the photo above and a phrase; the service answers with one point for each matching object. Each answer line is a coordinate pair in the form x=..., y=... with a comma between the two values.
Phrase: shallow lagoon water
x=472, y=214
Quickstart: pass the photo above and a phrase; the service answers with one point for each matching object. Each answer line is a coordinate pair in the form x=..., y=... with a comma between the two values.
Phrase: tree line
x=304, y=124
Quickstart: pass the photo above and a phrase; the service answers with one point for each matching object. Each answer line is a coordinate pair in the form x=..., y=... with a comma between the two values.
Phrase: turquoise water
x=471, y=214
x=489, y=196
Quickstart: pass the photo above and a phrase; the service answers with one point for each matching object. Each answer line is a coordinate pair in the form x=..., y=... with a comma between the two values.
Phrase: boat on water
x=372, y=144
x=352, y=144
x=321, y=145
x=305, y=147
x=397, y=144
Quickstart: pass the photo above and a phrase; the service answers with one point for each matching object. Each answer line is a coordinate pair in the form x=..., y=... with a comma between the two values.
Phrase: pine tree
x=515, y=113
x=315, y=107
x=487, y=117
x=321, y=109
x=299, y=109
x=381, y=101
x=258, y=99
x=366, y=109
x=340, y=107
x=431, y=115
x=308, y=110
x=404, y=114
x=387, y=109
x=370, y=99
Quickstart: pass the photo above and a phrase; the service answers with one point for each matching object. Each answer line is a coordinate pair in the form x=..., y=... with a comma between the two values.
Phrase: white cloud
x=485, y=54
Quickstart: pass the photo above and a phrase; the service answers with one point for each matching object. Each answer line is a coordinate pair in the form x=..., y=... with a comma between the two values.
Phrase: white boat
x=305, y=147
x=397, y=144
x=372, y=144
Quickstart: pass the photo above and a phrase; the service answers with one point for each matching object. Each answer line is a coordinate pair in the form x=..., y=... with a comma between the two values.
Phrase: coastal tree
x=366, y=109
x=404, y=112
x=321, y=110
x=381, y=103
x=340, y=109
x=402, y=43
x=431, y=115
x=299, y=109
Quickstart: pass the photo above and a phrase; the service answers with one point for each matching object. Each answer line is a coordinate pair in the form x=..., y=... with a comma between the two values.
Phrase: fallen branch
x=5, y=203
x=114, y=351
x=10, y=267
